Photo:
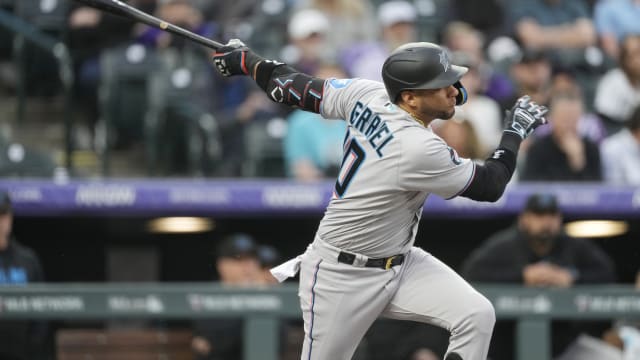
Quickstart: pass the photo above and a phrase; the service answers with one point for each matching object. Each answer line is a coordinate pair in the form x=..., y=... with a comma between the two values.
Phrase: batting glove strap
x=235, y=58
x=524, y=117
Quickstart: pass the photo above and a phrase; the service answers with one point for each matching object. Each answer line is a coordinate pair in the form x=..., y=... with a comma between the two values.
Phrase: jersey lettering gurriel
x=391, y=164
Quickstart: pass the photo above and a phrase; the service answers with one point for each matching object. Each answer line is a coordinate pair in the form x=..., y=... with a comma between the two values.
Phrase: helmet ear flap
x=461, y=98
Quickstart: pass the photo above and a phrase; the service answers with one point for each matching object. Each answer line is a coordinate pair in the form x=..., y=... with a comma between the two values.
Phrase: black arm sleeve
x=286, y=85
x=492, y=177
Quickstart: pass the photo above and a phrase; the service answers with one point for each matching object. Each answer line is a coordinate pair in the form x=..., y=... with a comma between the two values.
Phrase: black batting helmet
x=421, y=65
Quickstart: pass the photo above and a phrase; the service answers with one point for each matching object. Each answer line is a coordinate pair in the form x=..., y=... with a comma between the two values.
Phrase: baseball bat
x=117, y=7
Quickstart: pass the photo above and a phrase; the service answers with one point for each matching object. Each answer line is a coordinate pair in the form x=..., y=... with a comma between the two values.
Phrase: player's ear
x=407, y=97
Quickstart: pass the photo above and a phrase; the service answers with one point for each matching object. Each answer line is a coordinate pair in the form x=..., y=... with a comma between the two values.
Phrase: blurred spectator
x=536, y=252
x=563, y=27
x=486, y=16
x=227, y=14
x=460, y=134
x=237, y=261
x=351, y=21
x=621, y=154
x=181, y=13
x=480, y=111
x=398, y=26
x=269, y=257
x=564, y=154
x=237, y=265
x=462, y=38
x=19, y=265
x=307, y=48
x=618, y=92
x=398, y=23
x=614, y=20
x=531, y=75
x=590, y=125
x=313, y=144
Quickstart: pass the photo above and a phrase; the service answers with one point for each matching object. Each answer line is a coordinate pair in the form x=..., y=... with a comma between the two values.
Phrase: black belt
x=383, y=263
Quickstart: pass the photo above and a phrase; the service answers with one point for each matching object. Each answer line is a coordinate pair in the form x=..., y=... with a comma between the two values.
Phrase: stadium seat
x=264, y=148
x=125, y=72
x=181, y=131
x=123, y=91
x=37, y=68
x=20, y=161
x=6, y=37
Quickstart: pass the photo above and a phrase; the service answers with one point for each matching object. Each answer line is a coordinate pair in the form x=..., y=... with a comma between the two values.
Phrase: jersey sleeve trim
x=466, y=186
x=321, y=103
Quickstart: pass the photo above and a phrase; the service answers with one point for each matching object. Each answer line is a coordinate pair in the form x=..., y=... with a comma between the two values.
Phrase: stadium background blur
x=87, y=99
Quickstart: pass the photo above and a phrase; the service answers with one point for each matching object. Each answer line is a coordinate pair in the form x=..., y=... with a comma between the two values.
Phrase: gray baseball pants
x=340, y=302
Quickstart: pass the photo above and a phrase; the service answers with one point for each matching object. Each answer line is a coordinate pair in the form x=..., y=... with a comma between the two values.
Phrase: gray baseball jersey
x=391, y=165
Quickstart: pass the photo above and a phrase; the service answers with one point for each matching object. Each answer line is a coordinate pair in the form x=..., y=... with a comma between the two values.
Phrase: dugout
x=98, y=232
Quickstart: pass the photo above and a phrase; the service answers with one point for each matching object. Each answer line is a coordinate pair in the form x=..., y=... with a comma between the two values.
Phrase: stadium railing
x=262, y=308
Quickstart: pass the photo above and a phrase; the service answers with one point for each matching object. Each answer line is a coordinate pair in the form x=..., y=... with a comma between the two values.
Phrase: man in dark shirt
x=536, y=252
x=19, y=265
x=238, y=266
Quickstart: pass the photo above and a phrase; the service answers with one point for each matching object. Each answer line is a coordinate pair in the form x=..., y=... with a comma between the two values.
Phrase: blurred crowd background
x=88, y=95
x=109, y=97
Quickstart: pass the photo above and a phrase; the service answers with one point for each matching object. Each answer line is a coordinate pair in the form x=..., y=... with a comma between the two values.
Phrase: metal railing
x=262, y=308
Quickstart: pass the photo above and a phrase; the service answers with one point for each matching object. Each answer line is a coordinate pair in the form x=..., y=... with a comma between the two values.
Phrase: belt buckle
x=388, y=263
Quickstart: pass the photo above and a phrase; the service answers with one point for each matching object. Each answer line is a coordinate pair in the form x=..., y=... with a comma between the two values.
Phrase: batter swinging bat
x=117, y=7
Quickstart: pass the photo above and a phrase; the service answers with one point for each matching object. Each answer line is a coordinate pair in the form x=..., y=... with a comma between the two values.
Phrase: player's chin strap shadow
x=453, y=356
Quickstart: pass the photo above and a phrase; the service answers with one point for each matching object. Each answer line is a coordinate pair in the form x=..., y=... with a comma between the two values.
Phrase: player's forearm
x=491, y=178
x=282, y=83
x=286, y=85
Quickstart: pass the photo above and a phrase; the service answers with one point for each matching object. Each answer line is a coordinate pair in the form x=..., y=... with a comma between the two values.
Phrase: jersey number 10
x=353, y=157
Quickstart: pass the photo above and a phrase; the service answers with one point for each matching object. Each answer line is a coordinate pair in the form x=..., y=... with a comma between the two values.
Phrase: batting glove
x=524, y=117
x=235, y=58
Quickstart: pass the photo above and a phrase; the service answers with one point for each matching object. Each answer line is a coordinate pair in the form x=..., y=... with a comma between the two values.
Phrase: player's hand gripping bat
x=117, y=7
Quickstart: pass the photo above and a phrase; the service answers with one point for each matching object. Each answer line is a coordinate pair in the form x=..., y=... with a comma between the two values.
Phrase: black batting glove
x=524, y=117
x=235, y=58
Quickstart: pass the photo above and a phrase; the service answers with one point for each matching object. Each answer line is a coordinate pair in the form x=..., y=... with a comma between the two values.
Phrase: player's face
x=244, y=270
x=541, y=228
x=436, y=103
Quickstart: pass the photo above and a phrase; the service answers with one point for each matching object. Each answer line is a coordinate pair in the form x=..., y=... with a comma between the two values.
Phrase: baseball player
x=362, y=263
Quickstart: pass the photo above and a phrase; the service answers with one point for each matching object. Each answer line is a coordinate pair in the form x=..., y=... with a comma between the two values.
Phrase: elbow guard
x=283, y=84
